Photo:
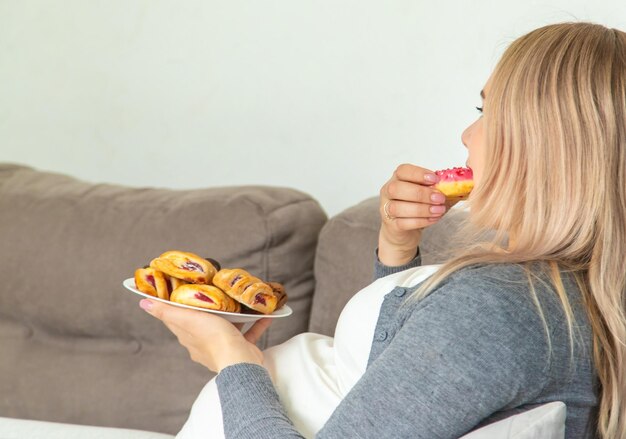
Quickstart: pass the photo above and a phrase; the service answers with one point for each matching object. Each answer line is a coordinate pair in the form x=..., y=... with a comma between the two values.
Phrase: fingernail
x=438, y=198
x=146, y=305
x=437, y=209
x=431, y=178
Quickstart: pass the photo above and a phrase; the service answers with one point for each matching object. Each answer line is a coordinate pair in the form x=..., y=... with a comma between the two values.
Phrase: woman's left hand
x=211, y=340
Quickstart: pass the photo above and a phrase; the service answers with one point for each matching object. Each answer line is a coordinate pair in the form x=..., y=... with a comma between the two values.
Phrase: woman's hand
x=408, y=204
x=211, y=340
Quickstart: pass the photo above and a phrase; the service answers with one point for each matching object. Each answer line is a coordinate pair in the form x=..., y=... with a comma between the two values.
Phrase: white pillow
x=23, y=428
x=545, y=422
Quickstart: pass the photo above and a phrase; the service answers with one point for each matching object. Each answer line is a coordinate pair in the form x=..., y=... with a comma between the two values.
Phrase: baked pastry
x=216, y=264
x=186, y=266
x=279, y=292
x=455, y=183
x=152, y=282
x=247, y=289
x=204, y=296
x=156, y=283
x=186, y=278
x=173, y=282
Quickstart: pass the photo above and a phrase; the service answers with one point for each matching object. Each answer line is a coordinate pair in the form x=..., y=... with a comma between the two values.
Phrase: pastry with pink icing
x=455, y=183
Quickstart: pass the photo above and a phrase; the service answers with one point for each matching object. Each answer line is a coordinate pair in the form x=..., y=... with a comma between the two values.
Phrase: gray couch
x=76, y=348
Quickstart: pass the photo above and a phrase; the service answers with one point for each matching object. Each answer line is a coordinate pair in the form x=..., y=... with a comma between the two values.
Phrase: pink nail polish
x=431, y=178
x=146, y=305
x=438, y=198
x=438, y=209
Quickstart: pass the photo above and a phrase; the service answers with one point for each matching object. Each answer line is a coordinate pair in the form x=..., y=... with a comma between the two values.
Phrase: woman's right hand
x=408, y=204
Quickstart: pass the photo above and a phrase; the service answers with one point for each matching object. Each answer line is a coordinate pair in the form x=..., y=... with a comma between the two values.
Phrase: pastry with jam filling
x=205, y=296
x=186, y=266
x=246, y=289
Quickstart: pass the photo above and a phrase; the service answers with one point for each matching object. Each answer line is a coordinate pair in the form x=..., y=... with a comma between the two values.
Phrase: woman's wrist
x=395, y=254
x=396, y=259
x=231, y=355
x=235, y=361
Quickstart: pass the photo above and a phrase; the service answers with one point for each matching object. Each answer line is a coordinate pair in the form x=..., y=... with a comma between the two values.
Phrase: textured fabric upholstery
x=75, y=345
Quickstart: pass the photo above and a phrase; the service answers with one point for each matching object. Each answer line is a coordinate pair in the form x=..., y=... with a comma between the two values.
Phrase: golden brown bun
x=152, y=282
x=186, y=266
x=204, y=296
x=279, y=292
x=247, y=289
x=175, y=282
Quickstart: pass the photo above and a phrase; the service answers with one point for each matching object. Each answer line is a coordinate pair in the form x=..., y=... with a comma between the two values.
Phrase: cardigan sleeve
x=382, y=270
x=468, y=350
x=250, y=405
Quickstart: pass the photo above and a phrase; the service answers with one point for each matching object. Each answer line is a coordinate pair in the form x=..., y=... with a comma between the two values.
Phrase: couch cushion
x=75, y=345
x=344, y=261
x=22, y=429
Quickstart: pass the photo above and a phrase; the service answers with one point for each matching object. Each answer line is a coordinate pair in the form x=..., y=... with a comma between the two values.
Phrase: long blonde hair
x=555, y=178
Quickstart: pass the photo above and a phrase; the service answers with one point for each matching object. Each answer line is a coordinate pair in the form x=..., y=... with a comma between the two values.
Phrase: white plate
x=234, y=317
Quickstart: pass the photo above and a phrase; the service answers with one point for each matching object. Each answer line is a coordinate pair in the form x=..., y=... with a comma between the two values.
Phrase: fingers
x=186, y=321
x=256, y=331
x=168, y=314
x=415, y=174
x=404, y=209
x=413, y=183
x=210, y=339
x=190, y=323
x=407, y=191
x=407, y=224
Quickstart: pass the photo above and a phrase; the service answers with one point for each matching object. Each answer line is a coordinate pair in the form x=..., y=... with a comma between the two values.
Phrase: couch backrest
x=344, y=261
x=75, y=345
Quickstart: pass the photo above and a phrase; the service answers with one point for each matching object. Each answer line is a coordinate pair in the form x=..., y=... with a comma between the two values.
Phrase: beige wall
x=324, y=96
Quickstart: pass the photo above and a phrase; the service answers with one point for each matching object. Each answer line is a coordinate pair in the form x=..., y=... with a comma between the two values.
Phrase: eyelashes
x=480, y=109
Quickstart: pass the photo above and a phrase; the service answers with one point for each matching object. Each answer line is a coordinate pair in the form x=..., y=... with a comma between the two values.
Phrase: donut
x=455, y=183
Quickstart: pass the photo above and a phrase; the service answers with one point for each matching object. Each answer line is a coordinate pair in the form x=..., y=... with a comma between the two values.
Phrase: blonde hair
x=555, y=179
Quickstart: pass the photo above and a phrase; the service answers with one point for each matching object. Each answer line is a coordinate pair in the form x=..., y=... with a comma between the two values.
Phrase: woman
x=536, y=315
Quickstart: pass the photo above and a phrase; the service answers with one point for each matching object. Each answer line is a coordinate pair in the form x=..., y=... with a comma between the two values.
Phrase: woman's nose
x=466, y=136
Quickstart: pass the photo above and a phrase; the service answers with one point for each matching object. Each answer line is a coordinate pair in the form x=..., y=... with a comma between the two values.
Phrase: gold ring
x=389, y=217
